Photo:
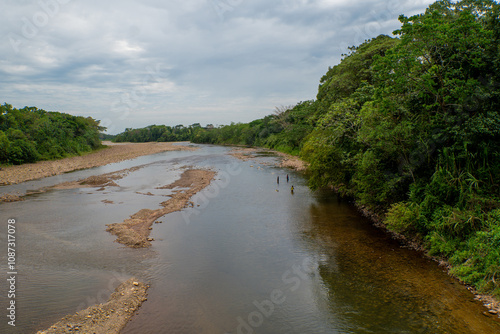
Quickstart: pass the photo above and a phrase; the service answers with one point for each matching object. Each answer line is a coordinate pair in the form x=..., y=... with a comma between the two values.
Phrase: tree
x=33, y=134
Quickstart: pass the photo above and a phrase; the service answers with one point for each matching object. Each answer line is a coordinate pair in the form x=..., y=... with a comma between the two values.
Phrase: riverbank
x=134, y=231
x=108, y=318
x=286, y=160
x=490, y=302
x=289, y=161
x=110, y=154
x=247, y=223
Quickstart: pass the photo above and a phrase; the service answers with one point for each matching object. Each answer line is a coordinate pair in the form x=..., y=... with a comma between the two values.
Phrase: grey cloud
x=135, y=63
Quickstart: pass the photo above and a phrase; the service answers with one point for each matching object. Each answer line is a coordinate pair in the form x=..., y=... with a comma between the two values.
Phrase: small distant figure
x=287, y=178
x=278, y=180
x=291, y=190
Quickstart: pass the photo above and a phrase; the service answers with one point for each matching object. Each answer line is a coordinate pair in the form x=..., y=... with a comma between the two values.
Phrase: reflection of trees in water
x=367, y=279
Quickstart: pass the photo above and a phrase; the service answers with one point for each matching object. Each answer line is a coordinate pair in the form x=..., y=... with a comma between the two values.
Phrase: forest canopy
x=30, y=134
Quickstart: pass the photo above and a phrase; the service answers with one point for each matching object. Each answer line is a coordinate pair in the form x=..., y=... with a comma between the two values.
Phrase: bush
x=22, y=151
x=478, y=264
x=30, y=134
x=403, y=217
x=4, y=147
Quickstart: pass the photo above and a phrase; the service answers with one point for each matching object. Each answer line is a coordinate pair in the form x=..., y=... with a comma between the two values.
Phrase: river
x=249, y=256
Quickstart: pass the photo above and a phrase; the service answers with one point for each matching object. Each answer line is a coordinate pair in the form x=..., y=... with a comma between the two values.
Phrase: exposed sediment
x=112, y=153
x=98, y=181
x=134, y=232
x=286, y=160
x=108, y=318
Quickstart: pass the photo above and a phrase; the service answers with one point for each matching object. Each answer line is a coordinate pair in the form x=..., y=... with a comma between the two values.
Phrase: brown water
x=252, y=258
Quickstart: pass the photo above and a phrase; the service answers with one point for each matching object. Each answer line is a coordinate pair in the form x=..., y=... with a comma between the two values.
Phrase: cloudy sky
x=132, y=63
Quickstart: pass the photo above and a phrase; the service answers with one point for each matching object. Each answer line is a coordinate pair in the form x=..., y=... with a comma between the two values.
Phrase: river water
x=249, y=257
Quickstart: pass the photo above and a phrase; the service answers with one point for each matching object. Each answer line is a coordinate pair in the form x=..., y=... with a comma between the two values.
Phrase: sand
x=134, y=231
x=110, y=154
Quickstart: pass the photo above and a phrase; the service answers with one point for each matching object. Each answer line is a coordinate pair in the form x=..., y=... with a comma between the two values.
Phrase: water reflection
x=380, y=287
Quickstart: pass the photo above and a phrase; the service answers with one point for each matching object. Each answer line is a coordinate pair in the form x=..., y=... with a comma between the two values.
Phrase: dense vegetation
x=30, y=134
x=283, y=131
x=158, y=133
x=105, y=136
x=410, y=128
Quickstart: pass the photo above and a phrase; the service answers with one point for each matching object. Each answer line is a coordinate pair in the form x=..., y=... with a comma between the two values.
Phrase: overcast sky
x=133, y=63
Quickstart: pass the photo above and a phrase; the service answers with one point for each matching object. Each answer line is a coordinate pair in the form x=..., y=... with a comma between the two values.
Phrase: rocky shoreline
x=109, y=154
x=108, y=318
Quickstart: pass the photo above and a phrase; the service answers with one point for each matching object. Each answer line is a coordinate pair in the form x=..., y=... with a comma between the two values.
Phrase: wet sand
x=108, y=318
x=110, y=154
x=134, y=231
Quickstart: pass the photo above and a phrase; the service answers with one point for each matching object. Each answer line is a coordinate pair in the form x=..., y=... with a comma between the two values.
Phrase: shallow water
x=249, y=257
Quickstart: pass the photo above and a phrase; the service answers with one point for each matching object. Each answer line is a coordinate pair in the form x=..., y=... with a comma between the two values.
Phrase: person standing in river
x=278, y=180
x=287, y=178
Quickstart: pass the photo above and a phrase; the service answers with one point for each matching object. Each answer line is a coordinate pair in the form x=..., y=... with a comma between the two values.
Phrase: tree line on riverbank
x=161, y=133
x=409, y=127
x=31, y=134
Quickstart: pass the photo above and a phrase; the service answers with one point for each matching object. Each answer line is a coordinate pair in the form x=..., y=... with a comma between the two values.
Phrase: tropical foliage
x=30, y=134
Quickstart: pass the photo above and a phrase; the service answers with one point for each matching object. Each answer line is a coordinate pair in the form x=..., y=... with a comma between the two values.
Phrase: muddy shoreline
x=108, y=318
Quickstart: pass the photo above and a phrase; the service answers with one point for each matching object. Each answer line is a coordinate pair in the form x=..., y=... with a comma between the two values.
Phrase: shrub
x=403, y=217
x=479, y=263
x=22, y=151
